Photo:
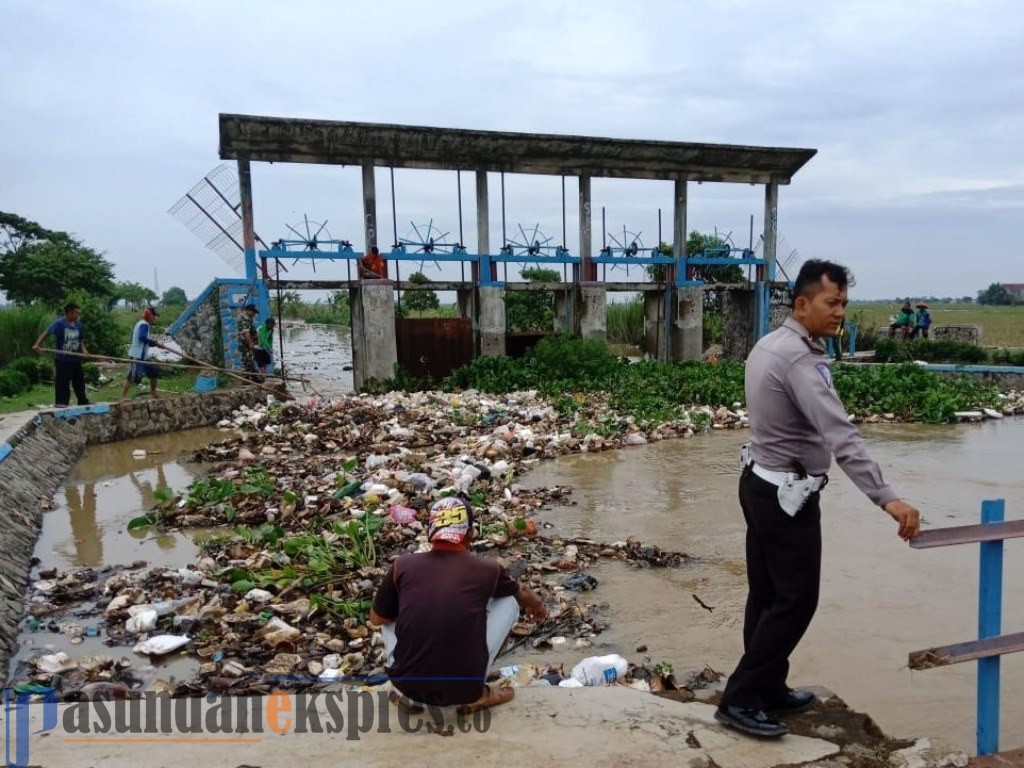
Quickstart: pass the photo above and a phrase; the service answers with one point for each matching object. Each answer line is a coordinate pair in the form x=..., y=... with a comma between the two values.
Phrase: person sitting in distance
x=371, y=265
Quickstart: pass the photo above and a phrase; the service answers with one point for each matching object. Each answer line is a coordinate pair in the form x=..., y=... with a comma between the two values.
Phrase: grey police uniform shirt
x=796, y=415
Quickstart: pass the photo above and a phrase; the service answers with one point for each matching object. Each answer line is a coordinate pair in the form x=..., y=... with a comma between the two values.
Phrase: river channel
x=880, y=599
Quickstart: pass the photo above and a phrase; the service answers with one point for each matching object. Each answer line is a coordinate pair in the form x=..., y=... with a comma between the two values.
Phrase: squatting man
x=445, y=614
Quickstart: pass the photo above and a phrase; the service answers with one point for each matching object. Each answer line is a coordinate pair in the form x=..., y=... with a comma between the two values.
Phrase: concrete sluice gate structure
x=673, y=306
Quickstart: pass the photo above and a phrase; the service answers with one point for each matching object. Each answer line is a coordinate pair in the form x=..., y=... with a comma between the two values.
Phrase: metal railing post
x=990, y=608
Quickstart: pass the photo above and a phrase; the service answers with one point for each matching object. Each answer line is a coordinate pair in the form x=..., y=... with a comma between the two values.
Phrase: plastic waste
x=402, y=515
x=161, y=644
x=141, y=621
x=276, y=631
x=600, y=670
x=580, y=582
x=331, y=661
x=257, y=595
x=419, y=480
x=56, y=662
x=570, y=682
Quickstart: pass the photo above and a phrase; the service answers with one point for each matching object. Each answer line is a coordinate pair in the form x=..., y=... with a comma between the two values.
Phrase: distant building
x=1017, y=289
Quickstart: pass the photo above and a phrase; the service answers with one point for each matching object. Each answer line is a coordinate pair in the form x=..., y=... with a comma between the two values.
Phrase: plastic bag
x=600, y=670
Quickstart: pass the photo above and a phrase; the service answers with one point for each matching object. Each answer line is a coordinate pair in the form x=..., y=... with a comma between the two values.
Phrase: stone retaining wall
x=970, y=334
x=44, y=451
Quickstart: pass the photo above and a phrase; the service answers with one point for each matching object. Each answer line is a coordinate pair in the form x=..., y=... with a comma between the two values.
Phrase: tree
x=17, y=233
x=710, y=246
x=135, y=295
x=174, y=296
x=37, y=264
x=420, y=300
x=996, y=295
x=532, y=310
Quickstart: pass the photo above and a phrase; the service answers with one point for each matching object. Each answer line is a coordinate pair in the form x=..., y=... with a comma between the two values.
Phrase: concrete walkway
x=596, y=727
x=10, y=423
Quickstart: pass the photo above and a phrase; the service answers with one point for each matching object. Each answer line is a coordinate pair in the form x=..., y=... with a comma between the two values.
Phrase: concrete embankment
x=37, y=453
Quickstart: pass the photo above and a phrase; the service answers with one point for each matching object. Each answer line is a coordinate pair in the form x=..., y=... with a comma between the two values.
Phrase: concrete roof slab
x=294, y=140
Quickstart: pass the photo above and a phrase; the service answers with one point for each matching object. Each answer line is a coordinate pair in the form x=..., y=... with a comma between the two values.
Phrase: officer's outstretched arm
x=809, y=383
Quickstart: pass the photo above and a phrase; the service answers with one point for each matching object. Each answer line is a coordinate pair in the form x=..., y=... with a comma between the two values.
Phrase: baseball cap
x=450, y=520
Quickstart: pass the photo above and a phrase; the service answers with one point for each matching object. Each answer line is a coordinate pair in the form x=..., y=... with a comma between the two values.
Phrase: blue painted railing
x=991, y=645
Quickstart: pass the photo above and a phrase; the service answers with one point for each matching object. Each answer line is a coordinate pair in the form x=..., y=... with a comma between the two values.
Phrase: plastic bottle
x=600, y=670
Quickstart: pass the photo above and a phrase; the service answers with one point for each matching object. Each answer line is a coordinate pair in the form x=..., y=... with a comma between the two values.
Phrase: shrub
x=28, y=366
x=908, y=391
x=91, y=372
x=931, y=351
x=13, y=382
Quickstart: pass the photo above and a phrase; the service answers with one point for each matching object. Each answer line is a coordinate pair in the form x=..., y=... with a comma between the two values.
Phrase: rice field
x=1001, y=326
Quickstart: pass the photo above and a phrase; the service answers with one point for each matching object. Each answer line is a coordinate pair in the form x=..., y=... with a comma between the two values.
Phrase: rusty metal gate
x=433, y=346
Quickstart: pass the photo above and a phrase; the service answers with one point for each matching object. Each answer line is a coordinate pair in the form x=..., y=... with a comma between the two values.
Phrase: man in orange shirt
x=371, y=266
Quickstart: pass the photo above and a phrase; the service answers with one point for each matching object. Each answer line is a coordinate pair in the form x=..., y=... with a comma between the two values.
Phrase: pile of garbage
x=360, y=454
x=308, y=507
x=253, y=641
x=611, y=669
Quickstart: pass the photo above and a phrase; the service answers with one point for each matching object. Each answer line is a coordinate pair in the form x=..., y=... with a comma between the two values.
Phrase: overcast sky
x=109, y=110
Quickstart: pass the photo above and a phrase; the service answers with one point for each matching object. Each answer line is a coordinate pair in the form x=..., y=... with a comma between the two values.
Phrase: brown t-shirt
x=438, y=600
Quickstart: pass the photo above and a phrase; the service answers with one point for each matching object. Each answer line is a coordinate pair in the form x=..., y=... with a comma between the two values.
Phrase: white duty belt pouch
x=794, y=489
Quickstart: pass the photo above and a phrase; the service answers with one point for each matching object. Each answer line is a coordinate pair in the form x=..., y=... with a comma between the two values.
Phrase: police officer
x=797, y=423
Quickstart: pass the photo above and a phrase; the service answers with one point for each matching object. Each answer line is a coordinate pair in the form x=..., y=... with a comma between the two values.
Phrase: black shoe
x=795, y=701
x=755, y=722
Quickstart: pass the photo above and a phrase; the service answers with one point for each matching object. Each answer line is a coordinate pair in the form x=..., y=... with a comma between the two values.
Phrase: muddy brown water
x=87, y=528
x=880, y=599
x=320, y=353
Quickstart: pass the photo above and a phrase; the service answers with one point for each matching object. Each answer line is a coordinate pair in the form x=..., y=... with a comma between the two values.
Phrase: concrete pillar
x=374, y=346
x=779, y=308
x=466, y=299
x=654, y=324
x=491, y=320
x=565, y=312
x=370, y=209
x=688, y=325
x=679, y=223
x=771, y=228
x=248, y=225
x=594, y=312
x=483, y=226
x=738, y=322
x=589, y=269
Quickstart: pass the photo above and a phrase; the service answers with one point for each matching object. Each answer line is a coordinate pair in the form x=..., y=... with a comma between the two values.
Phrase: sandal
x=405, y=704
x=492, y=697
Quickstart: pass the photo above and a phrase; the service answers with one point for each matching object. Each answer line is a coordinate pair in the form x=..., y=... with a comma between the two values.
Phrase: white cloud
x=110, y=114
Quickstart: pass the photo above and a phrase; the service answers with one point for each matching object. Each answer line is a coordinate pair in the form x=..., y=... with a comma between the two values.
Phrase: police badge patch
x=826, y=374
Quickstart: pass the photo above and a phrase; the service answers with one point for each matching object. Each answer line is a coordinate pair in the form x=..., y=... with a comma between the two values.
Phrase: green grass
x=1001, y=326
x=626, y=322
x=19, y=329
x=42, y=394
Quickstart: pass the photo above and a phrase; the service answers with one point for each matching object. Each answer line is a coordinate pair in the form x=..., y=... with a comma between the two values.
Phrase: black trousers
x=783, y=578
x=68, y=374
